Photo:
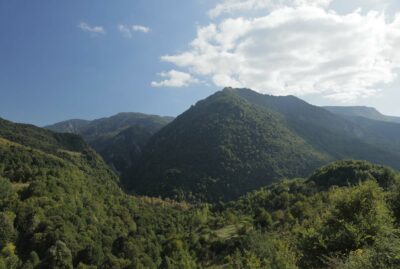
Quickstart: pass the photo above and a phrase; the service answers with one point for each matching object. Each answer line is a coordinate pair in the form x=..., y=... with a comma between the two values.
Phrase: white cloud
x=302, y=49
x=128, y=30
x=232, y=6
x=125, y=30
x=91, y=29
x=140, y=28
x=175, y=79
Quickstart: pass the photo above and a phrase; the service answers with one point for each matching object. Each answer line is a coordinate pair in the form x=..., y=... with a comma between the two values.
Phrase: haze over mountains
x=361, y=111
x=118, y=139
x=235, y=141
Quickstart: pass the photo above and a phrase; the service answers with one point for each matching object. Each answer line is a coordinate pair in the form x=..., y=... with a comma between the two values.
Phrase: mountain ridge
x=61, y=206
x=223, y=128
x=105, y=133
x=362, y=111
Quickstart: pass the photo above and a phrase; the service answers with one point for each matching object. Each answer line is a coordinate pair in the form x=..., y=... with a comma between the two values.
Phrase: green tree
x=7, y=231
x=59, y=256
x=357, y=217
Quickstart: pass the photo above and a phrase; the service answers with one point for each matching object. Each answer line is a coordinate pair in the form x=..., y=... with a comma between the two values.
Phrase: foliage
x=61, y=207
x=118, y=139
x=348, y=173
x=238, y=140
x=218, y=150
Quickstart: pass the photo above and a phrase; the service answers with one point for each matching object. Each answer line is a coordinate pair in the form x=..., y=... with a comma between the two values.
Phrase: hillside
x=124, y=149
x=42, y=139
x=107, y=134
x=109, y=126
x=337, y=136
x=61, y=208
x=219, y=149
x=381, y=131
x=238, y=140
x=74, y=126
x=325, y=221
x=362, y=111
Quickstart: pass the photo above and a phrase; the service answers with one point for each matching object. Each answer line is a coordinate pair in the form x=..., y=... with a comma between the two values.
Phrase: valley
x=239, y=180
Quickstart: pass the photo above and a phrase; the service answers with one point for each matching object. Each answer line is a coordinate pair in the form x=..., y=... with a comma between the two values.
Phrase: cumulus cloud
x=128, y=30
x=91, y=29
x=174, y=79
x=298, y=49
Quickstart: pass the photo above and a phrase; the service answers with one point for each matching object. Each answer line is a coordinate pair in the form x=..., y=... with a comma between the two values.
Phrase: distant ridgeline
x=233, y=142
x=61, y=206
x=238, y=140
x=118, y=139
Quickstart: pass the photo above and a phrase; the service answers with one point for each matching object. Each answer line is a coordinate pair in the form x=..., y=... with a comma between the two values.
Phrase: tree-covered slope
x=63, y=209
x=39, y=138
x=74, y=126
x=334, y=135
x=238, y=140
x=219, y=149
x=119, y=139
x=110, y=126
x=124, y=149
x=346, y=216
x=382, y=134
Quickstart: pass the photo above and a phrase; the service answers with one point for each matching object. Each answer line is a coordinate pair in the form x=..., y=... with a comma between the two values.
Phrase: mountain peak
x=219, y=149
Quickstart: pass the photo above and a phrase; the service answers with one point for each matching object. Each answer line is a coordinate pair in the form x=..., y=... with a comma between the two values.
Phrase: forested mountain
x=32, y=136
x=118, y=139
x=340, y=137
x=110, y=126
x=75, y=126
x=362, y=111
x=61, y=207
x=238, y=140
x=376, y=128
x=221, y=148
x=124, y=149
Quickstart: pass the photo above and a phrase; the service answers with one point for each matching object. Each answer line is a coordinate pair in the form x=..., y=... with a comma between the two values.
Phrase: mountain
x=362, y=111
x=61, y=207
x=373, y=127
x=29, y=135
x=74, y=126
x=107, y=134
x=110, y=126
x=238, y=140
x=221, y=148
x=123, y=149
x=340, y=137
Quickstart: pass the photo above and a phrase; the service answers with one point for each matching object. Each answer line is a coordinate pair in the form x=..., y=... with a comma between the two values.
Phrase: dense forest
x=61, y=207
x=234, y=182
x=118, y=139
x=238, y=140
x=219, y=149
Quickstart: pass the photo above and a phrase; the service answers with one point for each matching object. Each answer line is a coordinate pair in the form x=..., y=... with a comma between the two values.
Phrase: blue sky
x=51, y=70
x=56, y=65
